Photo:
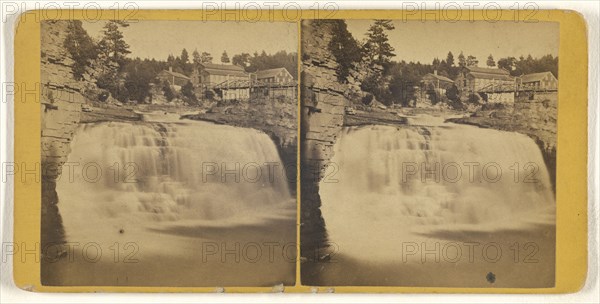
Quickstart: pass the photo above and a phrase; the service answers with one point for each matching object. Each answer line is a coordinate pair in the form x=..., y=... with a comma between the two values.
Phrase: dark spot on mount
x=121, y=231
x=491, y=277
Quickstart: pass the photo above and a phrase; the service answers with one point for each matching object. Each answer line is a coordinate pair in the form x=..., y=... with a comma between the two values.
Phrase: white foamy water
x=399, y=184
x=132, y=177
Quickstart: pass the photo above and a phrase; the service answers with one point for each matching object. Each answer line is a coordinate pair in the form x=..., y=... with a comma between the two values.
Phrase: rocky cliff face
x=534, y=115
x=61, y=100
x=322, y=103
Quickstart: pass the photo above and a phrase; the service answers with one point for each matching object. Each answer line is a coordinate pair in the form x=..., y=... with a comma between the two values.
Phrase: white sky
x=413, y=40
x=423, y=41
x=157, y=39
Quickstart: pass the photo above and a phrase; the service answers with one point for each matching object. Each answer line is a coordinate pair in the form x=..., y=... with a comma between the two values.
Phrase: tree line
x=391, y=80
x=130, y=79
x=251, y=63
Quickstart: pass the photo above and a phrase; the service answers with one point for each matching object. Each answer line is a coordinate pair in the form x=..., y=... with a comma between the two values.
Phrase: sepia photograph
x=428, y=153
x=169, y=152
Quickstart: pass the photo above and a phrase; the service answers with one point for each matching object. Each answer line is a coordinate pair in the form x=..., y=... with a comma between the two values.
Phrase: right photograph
x=428, y=153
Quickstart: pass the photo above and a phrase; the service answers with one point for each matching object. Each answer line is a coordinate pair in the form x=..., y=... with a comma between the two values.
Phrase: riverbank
x=277, y=119
x=380, y=117
x=96, y=112
x=100, y=112
x=397, y=117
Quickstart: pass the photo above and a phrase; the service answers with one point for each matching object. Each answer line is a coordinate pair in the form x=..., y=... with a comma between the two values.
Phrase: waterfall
x=133, y=176
x=397, y=184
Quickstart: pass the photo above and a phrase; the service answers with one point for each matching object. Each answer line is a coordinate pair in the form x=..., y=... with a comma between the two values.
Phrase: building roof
x=491, y=76
x=179, y=75
x=493, y=71
x=535, y=76
x=223, y=69
x=225, y=72
x=270, y=73
x=226, y=67
x=438, y=77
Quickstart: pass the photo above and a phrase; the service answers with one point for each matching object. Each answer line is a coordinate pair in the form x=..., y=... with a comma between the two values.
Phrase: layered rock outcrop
x=61, y=100
x=322, y=104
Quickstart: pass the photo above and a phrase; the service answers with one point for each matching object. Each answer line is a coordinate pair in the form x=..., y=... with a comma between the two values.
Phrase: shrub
x=138, y=77
x=209, y=94
x=167, y=91
x=188, y=92
x=432, y=94
x=493, y=106
x=103, y=96
x=109, y=83
x=474, y=98
x=367, y=99
x=484, y=96
x=453, y=94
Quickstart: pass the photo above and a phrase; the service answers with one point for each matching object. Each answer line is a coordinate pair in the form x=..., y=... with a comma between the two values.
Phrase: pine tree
x=196, y=59
x=377, y=47
x=490, y=61
x=113, y=44
x=184, y=56
x=450, y=59
x=114, y=50
x=170, y=59
x=462, y=62
x=184, y=61
x=225, y=57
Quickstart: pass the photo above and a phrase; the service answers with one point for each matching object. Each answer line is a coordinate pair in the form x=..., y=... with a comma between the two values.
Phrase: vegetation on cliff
x=81, y=48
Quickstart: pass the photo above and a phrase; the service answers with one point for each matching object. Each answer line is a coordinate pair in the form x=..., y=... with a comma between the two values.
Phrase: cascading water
x=407, y=184
x=131, y=177
x=168, y=202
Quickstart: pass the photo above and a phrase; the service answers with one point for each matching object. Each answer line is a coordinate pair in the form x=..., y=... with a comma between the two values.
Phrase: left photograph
x=169, y=152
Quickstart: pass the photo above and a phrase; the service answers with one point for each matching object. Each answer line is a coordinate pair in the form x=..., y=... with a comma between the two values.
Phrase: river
x=438, y=204
x=170, y=203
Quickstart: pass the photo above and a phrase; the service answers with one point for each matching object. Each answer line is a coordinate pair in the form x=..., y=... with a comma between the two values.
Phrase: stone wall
x=61, y=100
x=322, y=104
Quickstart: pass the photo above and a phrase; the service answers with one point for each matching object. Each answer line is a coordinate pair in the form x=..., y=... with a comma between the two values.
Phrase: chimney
x=435, y=72
x=170, y=69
